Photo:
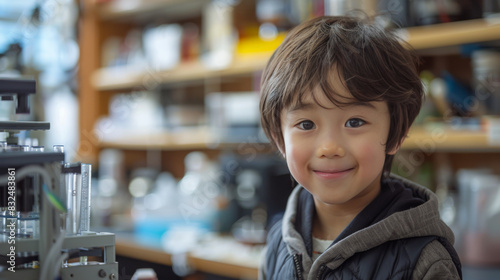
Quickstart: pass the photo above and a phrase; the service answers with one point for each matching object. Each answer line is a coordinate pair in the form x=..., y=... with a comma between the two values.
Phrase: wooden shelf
x=452, y=34
x=185, y=140
x=194, y=139
x=159, y=141
x=424, y=37
x=119, y=78
x=224, y=269
x=438, y=138
x=129, y=248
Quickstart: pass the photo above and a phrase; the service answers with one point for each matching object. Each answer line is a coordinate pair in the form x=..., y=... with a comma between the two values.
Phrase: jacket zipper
x=321, y=271
x=297, y=260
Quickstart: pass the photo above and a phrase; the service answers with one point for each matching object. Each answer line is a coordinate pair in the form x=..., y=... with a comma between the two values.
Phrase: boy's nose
x=330, y=149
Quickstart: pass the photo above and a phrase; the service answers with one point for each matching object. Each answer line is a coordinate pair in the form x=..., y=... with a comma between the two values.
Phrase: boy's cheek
x=292, y=153
x=371, y=152
x=291, y=141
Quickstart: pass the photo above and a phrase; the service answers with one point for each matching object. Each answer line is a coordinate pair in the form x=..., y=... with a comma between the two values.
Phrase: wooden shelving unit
x=97, y=80
x=420, y=38
x=101, y=20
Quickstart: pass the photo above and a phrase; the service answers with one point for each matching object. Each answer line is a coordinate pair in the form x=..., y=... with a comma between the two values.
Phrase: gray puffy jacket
x=398, y=236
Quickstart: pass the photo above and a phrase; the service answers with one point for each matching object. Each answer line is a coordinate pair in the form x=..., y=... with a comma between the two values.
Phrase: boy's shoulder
x=408, y=257
x=440, y=259
x=275, y=236
x=396, y=183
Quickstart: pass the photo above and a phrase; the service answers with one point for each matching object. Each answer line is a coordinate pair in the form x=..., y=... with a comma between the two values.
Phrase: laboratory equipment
x=45, y=207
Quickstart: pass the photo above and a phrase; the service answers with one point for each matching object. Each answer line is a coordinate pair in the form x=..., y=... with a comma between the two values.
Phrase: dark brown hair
x=372, y=63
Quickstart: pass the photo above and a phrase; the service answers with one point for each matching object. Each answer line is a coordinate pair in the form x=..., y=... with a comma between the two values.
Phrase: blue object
x=458, y=95
x=151, y=229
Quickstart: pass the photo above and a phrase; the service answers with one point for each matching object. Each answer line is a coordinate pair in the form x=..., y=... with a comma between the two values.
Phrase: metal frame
x=50, y=225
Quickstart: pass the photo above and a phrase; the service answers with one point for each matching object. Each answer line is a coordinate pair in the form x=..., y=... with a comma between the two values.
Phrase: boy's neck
x=329, y=230
x=330, y=220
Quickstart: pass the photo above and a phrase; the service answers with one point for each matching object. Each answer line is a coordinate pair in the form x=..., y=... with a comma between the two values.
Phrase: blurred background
x=161, y=97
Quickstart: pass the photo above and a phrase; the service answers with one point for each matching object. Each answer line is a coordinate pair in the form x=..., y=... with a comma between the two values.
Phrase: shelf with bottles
x=172, y=127
x=121, y=78
x=182, y=118
x=101, y=80
x=420, y=38
x=180, y=47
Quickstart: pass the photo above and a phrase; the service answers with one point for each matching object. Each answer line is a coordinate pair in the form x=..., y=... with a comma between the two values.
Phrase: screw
x=102, y=273
x=112, y=276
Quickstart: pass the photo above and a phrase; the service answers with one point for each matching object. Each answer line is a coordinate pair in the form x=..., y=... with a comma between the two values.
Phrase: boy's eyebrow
x=306, y=106
x=301, y=106
x=361, y=104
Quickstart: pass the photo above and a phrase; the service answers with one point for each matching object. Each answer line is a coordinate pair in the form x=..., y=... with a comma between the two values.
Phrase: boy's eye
x=306, y=125
x=354, y=122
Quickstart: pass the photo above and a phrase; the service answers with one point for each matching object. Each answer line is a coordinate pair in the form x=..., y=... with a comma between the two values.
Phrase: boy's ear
x=394, y=150
x=280, y=147
x=282, y=152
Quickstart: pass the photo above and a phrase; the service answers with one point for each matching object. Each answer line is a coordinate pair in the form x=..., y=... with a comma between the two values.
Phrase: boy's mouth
x=332, y=174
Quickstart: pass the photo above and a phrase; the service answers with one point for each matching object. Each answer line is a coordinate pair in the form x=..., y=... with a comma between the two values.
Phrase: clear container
x=73, y=201
x=481, y=224
x=486, y=68
x=85, y=200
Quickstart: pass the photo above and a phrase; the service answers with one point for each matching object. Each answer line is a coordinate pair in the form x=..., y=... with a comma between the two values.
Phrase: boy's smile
x=336, y=153
x=332, y=174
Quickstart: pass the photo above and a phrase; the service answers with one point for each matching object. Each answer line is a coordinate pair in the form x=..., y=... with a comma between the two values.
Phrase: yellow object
x=254, y=44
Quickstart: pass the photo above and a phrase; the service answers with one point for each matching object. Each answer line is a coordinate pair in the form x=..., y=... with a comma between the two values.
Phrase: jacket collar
x=413, y=208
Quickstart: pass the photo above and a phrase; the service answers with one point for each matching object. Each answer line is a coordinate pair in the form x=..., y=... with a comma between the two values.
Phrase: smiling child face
x=336, y=153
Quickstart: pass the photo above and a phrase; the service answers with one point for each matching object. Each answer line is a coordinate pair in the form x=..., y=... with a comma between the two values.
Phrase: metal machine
x=45, y=207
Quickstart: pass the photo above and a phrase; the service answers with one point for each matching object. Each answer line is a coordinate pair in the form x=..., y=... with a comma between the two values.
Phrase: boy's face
x=337, y=154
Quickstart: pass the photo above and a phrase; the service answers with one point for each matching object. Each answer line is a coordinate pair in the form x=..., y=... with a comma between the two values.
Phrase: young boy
x=338, y=98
